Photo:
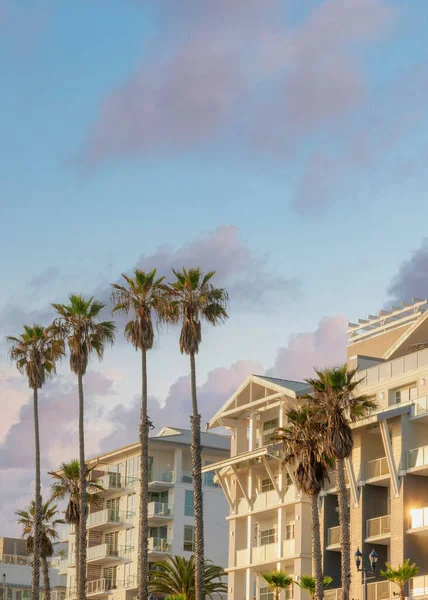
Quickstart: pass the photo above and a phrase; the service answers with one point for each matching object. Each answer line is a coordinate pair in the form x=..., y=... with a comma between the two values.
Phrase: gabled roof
x=276, y=386
x=174, y=435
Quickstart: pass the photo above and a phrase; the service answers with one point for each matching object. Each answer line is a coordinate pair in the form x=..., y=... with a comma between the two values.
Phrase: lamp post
x=366, y=571
x=3, y=577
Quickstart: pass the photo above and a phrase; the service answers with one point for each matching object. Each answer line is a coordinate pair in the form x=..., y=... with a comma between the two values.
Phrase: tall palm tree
x=78, y=323
x=308, y=583
x=401, y=575
x=67, y=486
x=143, y=297
x=27, y=518
x=303, y=448
x=176, y=577
x=194, y=298
x=36, y=352
x=334, y=394
x=277, y=581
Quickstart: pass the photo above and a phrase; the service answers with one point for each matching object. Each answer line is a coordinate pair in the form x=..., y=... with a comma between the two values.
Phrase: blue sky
x=284, y=144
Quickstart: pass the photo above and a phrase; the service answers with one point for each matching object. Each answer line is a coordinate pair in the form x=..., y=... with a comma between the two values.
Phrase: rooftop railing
x=394, y=368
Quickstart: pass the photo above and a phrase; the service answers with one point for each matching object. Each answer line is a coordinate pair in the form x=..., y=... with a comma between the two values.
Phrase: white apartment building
x=113, y=528
x=269, y=523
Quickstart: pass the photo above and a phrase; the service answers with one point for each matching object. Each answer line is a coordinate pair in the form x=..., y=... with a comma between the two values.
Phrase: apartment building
x=16, y=572
x=387, y=475
x=113, y=527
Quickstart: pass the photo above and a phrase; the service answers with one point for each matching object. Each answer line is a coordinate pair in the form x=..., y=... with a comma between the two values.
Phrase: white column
x=250, y=533
x=248, y=585
x=252, y=433
x=281, y=519
x=178, y=464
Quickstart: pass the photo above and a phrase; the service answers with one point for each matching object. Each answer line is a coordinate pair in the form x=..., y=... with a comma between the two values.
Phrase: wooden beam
x=225, y=487
x=272, y=476
x=238, y=479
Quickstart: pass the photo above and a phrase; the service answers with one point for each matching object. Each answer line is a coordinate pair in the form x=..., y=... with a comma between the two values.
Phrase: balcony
x=378, y=530
x=333, y=594
x=15, y=559
x=266, y=553
x=101, y=587
x=106, y=554
x=331, y=486
x=111, y=482
x=58, y=594
x=377, y=471
x=158, y=547
x=110, y=519
x=207, y=479
x=159, y=512
x=394, y=368
x=419, y=586
x=333, y=539
x=379, y=590
x=419, y=521
x=417, y=460
x=162, y=481
x=266, y=500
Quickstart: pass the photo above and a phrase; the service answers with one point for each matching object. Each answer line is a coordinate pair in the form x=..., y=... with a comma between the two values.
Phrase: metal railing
x=159, y=509
x=379, y=590
x=111, y=481
x=108, y=550
x=207, y=479
x=376, y=468
x=419, y=517
x=15, y=559
x=160, y=545
x=333, y=536
x=109, y=515
x=378, y=526
x=418, y=457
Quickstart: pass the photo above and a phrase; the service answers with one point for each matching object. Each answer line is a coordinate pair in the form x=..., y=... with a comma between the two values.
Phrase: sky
x=282, y=143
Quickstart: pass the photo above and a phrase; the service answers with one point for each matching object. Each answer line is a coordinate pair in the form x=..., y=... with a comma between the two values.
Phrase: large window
x=289, y=531
x=268, y=536
x=268, y=429
x=266, y=594
x=267, y=485
x=132, y=468
x=188, y=503
x=189, y=539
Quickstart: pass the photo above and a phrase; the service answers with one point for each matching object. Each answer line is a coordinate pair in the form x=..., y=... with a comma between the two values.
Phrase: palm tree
x=36, y=352
x=142, y=297
x=303, y=447
x=48, y=535
x=176, y=577
x=194, y=298
x=307, y=583
x=67, y=485
x=334, y=394
x=277, y=581
x=401, y=575
x=78, y=323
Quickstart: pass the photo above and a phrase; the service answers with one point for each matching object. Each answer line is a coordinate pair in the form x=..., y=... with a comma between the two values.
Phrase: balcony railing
x=111, y=481
x=379, y=590
x=333, y=536
x=160, y=545
x=109, y=515
x=418, y=457
x=159, y=509
x=333, y=594
x=377, y=468
x=108, y=551
x=57, y=595
x=15, y=559
x=166, y=477
x=394, y=368
x=419, y=517
x=378, y=526
x=419, y=586
x=207, y=479
x=265, y=553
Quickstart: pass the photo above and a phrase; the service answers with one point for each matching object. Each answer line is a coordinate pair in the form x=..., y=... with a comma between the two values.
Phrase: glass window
x=267, y=485
x=189, y=539
x=188, y=503
x=289, y=531
x=130, y=538
x=268, y=536
x=131, y=502
x=398, y=397
x=268, y=429
x=132, y=467
x=266, y=594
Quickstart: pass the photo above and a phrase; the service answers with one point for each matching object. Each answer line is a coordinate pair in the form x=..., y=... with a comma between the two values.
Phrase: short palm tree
x=143, y=297
x=334, y=394
x=48, y=535
x=176, y=577
x=67, y=486
x=277, y=581
x=194, y=298
x=307, y=583
x=78, y=323
x=36, y=352
x=302, y=447
x=401, y=575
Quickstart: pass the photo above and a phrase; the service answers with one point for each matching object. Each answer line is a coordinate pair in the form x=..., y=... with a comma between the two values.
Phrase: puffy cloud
x=326, y=346
x=47, y=276
x=411, y=278
x=176, y=410
x=202, y=83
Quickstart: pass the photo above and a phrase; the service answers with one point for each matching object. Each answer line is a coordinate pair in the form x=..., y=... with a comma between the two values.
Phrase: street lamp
x=3, y=578
x=370, y=571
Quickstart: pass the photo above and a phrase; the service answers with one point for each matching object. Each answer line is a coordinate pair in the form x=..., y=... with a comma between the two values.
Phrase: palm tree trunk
x=143, y=528
x=316, y=549
x=345, y=538
x=77, y=553
x=35, y=584
x=46, y=582
x=83, y=505
x=197, y=487
x=402, y=594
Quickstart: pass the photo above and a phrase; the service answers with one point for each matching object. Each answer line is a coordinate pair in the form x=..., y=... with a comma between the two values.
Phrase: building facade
x=387, y=475
x=113, y=527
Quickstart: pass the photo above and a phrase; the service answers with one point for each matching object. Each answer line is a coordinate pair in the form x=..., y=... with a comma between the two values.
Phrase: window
x=288, y=480
x=268, y=429
x=289, y=531
x=398, y=397
x=266, y=594
x=131, y=503
x=188, y=503
x=130, y=538
x=189, y=539
x=268, y=536
x=267, y=485
x=132, y=468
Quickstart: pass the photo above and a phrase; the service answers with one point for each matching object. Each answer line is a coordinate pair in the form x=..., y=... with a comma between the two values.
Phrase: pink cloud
x=220, y=54
x=326, y=346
